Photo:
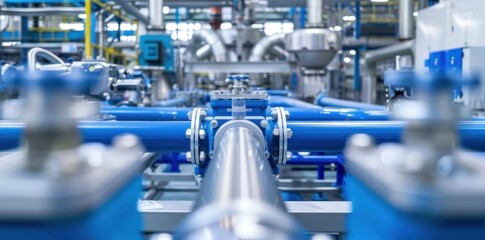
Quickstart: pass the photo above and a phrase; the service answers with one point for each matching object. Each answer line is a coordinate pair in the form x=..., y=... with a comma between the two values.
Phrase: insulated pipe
x=35, y=52
x=266, y=45
x=315, y=13
x=211, y=38
x=332, y=136
x=133, y=11
x=239, y=192
x=332, y=102
x=155, y=136
x=406, y=19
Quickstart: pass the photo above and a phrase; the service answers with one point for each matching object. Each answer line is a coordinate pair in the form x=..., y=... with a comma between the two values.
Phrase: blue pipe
x=178, y=101
x=155, y=136
x=332, y=136
x=332, y=102
x=147, y=114
x=279, y=101
x=334, y=114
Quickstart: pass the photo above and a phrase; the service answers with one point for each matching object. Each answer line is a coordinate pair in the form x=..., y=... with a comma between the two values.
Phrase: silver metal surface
x=316, y=217
x=239, y=192
x=219, y=51
x=315, y=13
x=406, y=19
x=266, y=45
x=156, y=14
x=239, y=170
x=36, y=52
x=133, y=11
x=61, y=11
x=245, y=67
x=314, y=47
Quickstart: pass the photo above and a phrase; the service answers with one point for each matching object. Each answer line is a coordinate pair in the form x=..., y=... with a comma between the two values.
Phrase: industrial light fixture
x=379, y=1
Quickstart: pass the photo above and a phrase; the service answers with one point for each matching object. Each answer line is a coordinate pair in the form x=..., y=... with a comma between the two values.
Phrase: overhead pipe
x=133, y=11
x=217, y=47
x=267, y=44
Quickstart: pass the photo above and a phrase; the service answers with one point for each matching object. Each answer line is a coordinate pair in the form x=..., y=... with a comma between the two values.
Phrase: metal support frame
x=317, y=217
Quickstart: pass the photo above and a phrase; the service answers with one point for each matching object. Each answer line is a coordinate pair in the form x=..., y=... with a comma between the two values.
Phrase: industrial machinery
x=246, y=119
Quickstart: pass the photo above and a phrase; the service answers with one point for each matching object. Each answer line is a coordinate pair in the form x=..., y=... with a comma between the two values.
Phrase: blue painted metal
x=323, y=101
x=296, y=114
x=454, y=66
x=119, y=211
x=155, y=136
x=382, y=221
x=335, y=114
x=332, y=136
x=279, y=101
x=147, y=114
x=358, y=20
x=302, y=17
x=178, y=101
x=157, y=50
x=357, y=79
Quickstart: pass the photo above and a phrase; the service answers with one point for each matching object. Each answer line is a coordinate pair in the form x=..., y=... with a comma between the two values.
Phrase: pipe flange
x=283, y=133
x=196, y=134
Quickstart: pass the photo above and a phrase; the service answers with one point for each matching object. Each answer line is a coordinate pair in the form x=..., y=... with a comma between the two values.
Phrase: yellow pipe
x=87, y=30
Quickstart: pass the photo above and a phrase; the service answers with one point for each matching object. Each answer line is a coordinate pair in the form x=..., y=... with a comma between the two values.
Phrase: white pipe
x=156, y=14
x=264, y=45
x=35, y=52
x=315, y=13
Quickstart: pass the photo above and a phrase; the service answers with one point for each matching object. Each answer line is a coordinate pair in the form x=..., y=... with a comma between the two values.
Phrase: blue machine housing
x=157, y=50
x=116, y=219
x=374, y=218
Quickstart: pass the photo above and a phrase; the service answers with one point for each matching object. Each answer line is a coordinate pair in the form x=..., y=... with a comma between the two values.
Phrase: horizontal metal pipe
x=62, y=11
x=131, y=10
x=147, y=114
x=332, y=102
x=332, y=136
x=155, y=136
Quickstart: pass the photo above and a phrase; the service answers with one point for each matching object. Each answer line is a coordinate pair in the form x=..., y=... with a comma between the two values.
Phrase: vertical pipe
x=88, y=50
x=302, y=17
x=156, y=14
x=358, y=26
x=357, y=79
x=315, y=13
x=406, y=19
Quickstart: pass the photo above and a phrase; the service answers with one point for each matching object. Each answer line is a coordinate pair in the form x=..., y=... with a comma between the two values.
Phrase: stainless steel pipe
x=315, y=13
x=406, y=19
x=239, y=198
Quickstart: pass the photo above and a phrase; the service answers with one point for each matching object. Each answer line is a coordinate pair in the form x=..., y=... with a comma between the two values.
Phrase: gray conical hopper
x=314, y=48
